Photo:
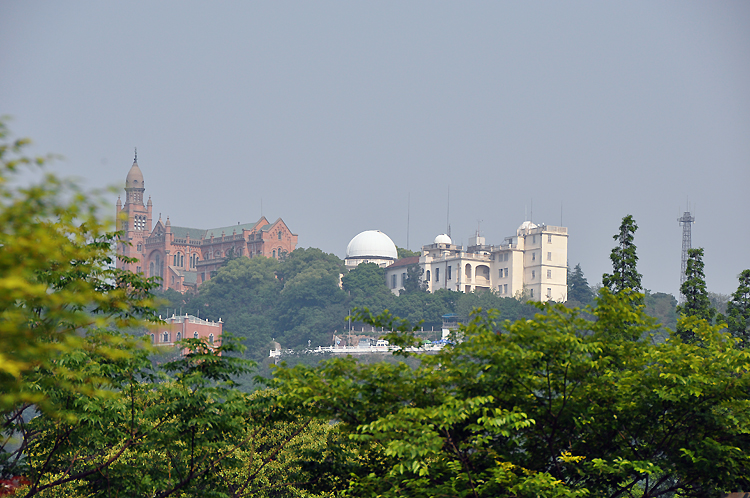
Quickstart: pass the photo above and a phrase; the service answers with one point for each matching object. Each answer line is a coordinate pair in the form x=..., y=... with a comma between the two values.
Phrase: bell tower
x=133, y=220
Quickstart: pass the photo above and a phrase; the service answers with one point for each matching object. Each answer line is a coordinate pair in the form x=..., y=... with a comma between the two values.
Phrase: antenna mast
x=408, y=216
x=448, y=214
x=686, y=221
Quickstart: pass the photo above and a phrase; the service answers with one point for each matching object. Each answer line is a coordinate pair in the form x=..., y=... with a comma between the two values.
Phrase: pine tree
x=738, y=310
x=625, y=276
x=578, y=287
x=696, y=301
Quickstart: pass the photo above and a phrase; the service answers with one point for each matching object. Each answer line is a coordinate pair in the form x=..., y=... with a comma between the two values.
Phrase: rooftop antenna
x=686, y=221
x=261, y=207
x=448, y=215
x=408, y=216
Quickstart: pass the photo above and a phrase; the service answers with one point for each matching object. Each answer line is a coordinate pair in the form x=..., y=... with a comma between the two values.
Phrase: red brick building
x=186, y=257
x=186, y=327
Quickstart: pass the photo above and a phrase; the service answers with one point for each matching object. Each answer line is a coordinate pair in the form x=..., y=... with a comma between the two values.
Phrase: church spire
x=135, y=159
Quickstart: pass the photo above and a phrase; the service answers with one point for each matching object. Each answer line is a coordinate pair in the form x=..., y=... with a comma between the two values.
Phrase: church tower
x=133, y=220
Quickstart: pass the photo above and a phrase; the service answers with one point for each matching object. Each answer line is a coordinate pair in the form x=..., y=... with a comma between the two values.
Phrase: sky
x=403, y=117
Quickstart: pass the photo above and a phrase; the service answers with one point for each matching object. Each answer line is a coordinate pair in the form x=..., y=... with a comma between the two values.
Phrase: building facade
x=533, y=264
x=177, y=328
x=186, y=257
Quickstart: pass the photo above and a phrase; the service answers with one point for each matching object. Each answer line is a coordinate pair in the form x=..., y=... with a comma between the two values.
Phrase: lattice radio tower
x=686, y=221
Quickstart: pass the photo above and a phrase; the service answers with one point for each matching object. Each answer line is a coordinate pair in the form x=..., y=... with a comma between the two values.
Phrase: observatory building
x=370, y=246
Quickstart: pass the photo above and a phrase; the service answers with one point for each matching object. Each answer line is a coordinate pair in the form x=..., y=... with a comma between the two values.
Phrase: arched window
x=210, y=338
x=165, y=336
x=151, y=269
x=274, y=253
x=279, y=234
x=179, y=336
x=152, y=338
x=140, y=247
x=195, y=335
x=428, y=275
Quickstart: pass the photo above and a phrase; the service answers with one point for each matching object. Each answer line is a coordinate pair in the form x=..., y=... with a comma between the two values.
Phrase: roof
x=201, y=233
x=411, y=260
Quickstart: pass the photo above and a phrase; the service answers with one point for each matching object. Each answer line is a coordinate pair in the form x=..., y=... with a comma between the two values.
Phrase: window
x=179, y=336
x=549, y=292
x=137, y=269
x=449, y=273
x=210, y=338
x=437, y=274
x=501, y=273
x=506, y=272
x=549, y=239
x=533, y=256
x=500, y=289
x=393, y=281
x=165, y=336
x=533, y=239
x=140, y=247
x=195, y=335
x=172, y=280
x=274, y=254
x=428, y=275
x=505, y=288
x=533, y=274
x=549, y=273
x=549, y=256
x=403, y=279
x=532, y=293
x=152, y=338
x=279, y=234
x=506, y=258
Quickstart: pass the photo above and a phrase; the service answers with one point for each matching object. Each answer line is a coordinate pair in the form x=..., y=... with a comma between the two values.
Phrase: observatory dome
x=372, y=244
x=443, y=239
x=527, y=225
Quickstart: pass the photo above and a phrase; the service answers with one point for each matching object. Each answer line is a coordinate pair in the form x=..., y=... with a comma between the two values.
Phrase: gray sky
x=335, y=112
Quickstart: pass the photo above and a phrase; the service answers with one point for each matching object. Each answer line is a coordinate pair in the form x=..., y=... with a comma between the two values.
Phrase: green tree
x=559, y=405
x=406, y=253
x=579, y=291
x=738, y=310
x=696, y=301
x=414, y=280
x=57, y=279
x=367, y=289
x=624, y=276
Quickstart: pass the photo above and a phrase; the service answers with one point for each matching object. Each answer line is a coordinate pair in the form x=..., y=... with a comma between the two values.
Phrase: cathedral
x=186, y=257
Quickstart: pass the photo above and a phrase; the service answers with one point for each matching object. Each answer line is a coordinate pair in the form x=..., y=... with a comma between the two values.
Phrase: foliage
x=57, y=280
x=406, y=253
x=559, y=405
x=663, y=307
x=694, y=293
x=414, y=280
x=738, y=310
x=625, y=276
x=180, y=430
x=579, y=292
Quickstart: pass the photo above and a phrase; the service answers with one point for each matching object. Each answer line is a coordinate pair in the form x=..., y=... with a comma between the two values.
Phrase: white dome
x=372, y=244
x=527, y=225
x=443, y=239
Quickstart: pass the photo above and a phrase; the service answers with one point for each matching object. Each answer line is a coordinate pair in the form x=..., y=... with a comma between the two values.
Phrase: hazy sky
x=335, y=113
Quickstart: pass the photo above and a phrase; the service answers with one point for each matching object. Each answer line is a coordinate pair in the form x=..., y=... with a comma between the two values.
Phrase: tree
x=738, y=310
x=625, y=276
x=57, y=280
x=578, y=287
x=414, y=281
x=406, y=253
x=558, y=405
x=693, y=290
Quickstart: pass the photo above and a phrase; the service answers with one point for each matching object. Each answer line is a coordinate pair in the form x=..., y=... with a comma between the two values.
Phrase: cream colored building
x=532, y=263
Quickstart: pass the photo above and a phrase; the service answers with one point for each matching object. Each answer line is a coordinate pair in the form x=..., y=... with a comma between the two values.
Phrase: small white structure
x=370, y=246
